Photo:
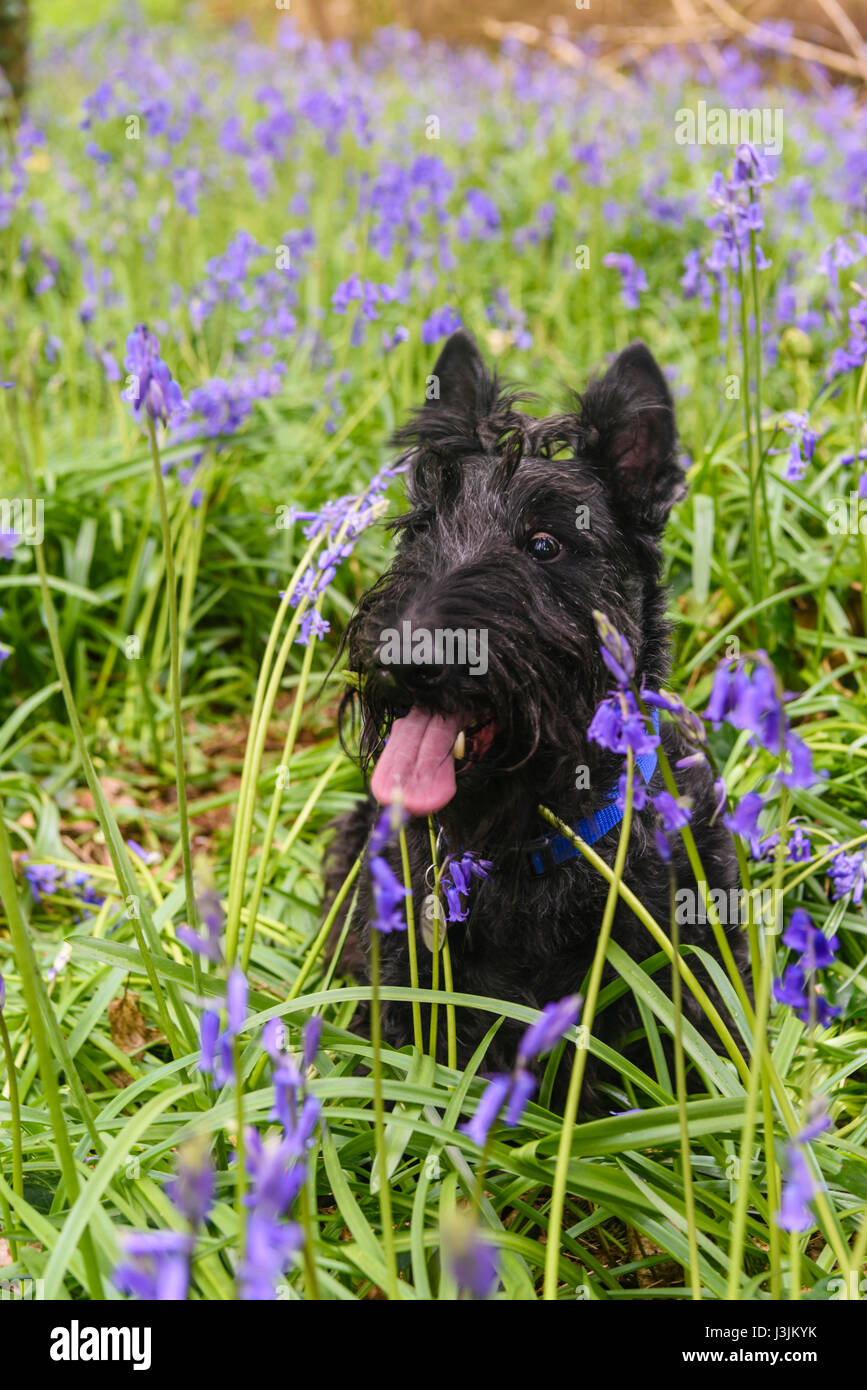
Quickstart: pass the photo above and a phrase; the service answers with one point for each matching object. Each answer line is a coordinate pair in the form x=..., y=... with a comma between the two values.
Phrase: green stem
x=411, y=941
x=35, y=1001
x=308, y=1253
x=15, y=1107
x=753, y=512
x=177, y=718
x=680, y=1084
x=588, y=1013
x=757, y=1067
x=435, y=961
x=391, y=1289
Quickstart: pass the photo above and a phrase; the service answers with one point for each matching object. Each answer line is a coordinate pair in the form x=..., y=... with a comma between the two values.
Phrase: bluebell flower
x=744, y=820
x=798, y=987
x=512, y=1090
x=209, y=1031
x=472, y=1260
x=556, y=1019
x=848, y=874
x=192, y=1188
x=797, y=1191
x=236, y=1001
x=457, y=875
x=276, y=1176
x=796, y=424
x=619, y=726
x=152, y=386
x=157, y=1266
x=633, y=280
x=310, y=1040
x=799, y=847
x=440, y=324
x=799, y=1186
x=674, y=811
x=43, y=879
x=663, y=848
x=615, y=650
x=389, y=898
x=817, y=950
x=9, y=541
x=791, y=988
x=493, y=1099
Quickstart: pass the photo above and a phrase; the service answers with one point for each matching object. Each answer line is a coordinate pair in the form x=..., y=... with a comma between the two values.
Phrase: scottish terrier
x=479, y=672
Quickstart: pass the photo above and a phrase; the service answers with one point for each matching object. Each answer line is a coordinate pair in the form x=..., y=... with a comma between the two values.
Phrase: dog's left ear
x=628, y=420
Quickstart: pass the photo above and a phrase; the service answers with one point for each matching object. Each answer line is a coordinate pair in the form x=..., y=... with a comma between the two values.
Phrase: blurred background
x=624, y=30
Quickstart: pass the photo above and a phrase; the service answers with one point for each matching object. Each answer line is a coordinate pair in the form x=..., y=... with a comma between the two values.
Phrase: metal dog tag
x=432, y=912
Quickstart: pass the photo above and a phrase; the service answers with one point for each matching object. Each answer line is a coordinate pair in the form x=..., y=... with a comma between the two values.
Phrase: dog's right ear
x=460, y=383
x=458, y=415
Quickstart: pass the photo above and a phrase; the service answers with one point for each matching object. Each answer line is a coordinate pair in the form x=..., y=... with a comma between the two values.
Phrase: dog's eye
x=542, y=546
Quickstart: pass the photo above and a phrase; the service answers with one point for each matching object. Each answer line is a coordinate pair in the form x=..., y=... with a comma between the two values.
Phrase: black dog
x=480, y=672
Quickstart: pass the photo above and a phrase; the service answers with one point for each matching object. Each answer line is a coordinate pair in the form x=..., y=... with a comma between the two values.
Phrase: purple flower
x=799, y=847
x=157, y=1268
x=2, y=993
x=615, y=650
x=9, y=540
x=633, y=278
x=547, y=1031
x=512, y=1090
x=663, y=847
x=818, y=950
x=791, y=989
x=210, y=910
x=744, y=820
x=236, y=1001
x=803, y=444
x=43, y=880
x=311, y=1037
x=802, y=775
x=798, y=1190
x=192, y=1188
x=842, y=254
x=472, y=1261
x=694, y=282
x=389, y=894
x=389, y=897
x=798, y=988
x=675, y=812
x=493, y=1099
x=738, y=214
x=639, y=793
x=209, y=1030
x=848, y=874
x=456, y=880
x=276, y=1177
x=146, y=856
x=799, y=1186
x=619, y=725
x=440, y=324
x=152, y=384
x=748, y=701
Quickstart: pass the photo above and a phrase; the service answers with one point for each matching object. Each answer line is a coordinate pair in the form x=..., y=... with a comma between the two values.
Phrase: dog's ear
x=460, y=382
x=627, y=418
x=463, y=413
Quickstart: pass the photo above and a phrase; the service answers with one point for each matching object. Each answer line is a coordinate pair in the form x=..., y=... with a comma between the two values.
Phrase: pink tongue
x=417, y=762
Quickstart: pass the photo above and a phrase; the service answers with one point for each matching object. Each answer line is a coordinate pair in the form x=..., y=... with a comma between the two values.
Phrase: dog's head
x=477, y=651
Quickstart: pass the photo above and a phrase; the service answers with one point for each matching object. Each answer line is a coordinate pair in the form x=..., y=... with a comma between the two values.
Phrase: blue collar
x=550, y=850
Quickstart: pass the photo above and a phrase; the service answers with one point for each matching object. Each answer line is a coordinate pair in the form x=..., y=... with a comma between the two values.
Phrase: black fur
x=483, y=477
